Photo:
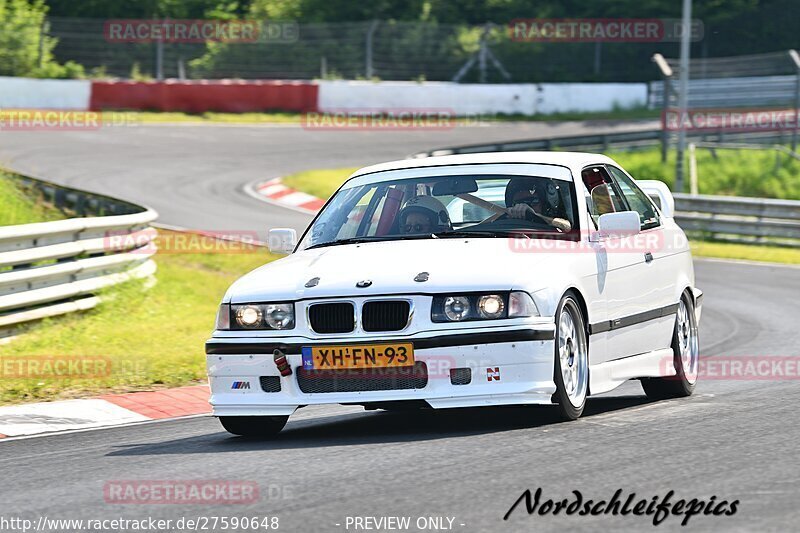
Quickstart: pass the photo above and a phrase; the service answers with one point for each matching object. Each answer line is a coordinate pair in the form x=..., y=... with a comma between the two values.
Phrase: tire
x=571, y=368
x=254, y=426
x=685, y=350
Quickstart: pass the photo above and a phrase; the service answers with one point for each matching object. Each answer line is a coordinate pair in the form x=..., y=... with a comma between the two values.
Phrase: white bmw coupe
x=461, y=281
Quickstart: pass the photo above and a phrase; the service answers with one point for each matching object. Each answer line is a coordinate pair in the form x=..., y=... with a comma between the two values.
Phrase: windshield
x=427, y=207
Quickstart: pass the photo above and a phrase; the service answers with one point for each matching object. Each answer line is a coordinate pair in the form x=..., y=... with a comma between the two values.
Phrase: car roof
x=575, y=161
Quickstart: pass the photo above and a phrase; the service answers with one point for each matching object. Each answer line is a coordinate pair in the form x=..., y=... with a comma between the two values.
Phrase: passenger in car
x=424, y=214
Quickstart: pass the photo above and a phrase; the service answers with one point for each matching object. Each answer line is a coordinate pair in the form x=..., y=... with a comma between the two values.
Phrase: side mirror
x=282, y=240
x=658, y=190
x=620, y=224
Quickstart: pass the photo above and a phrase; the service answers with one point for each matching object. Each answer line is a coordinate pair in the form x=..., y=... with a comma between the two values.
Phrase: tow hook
x=282, y=363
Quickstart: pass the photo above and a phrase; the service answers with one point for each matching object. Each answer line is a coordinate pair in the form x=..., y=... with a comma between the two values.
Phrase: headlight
x=456, y=308
x=491, y=306
x=256, y=316
x=248, y=316
x=463, y=307
x=279, y=316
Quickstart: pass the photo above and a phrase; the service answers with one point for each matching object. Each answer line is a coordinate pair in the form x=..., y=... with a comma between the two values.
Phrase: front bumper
x=508, y=365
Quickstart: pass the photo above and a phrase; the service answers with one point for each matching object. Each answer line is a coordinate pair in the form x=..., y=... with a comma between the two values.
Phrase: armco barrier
x=740, y=219
x=625, y=140
x=232, y=96
x=52, y=268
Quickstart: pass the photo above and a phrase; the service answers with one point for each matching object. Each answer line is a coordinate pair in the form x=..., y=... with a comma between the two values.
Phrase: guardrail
x=761, y=91
x=53, y=268
x=729, y=218
x=739, y=219
x=626, y=140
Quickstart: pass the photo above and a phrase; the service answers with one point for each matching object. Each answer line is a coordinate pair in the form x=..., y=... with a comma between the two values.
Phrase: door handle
x=648, y=257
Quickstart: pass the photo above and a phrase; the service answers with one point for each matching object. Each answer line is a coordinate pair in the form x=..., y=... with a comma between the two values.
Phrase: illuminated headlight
x=521, y=304
x=279, y=316
x=256, y=316
x=491, y=306
x=248, y=316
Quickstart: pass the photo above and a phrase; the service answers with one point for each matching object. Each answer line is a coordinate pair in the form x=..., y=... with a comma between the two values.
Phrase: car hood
x=452, y=264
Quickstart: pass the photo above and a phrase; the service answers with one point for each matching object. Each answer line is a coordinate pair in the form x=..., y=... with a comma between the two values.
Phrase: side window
x=601, y=197
x=637, y=200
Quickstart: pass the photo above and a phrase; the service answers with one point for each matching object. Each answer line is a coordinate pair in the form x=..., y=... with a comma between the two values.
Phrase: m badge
x=240, y=385
x=493, y=374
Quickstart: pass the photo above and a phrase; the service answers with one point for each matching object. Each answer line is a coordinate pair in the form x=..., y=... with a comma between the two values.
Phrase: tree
x=24, y=50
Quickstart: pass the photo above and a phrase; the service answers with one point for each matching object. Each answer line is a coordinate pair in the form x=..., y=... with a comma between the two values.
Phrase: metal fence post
x=43, y=31
x=666, y=75
x=683, y=94
x=796, y=59
x=159, y=59
x=368, y=68
x=692, y=170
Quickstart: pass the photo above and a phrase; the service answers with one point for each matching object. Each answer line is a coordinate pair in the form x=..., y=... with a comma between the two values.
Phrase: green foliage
x=24, y=50
x=180, y=9
x=755, y=173
x=18, y=206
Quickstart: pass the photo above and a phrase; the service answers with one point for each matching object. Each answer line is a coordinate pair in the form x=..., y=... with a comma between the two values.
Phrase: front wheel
x=685, y=349
x=254, y=426
x=571, y=373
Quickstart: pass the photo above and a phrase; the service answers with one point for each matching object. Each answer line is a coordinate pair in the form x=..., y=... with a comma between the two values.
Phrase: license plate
x=358, y=356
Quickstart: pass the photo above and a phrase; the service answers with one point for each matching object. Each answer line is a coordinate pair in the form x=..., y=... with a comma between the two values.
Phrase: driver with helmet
x=531, y=199
x=423, y=214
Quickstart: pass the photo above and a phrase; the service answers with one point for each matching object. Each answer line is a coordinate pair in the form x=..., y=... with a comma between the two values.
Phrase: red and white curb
x=275, y=192
x=103, y=411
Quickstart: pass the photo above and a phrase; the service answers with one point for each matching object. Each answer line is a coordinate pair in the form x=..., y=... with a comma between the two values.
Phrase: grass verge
x=147, y=338
x=320, y=183
x=746, y=252
x=754, y=173
x=18, y=207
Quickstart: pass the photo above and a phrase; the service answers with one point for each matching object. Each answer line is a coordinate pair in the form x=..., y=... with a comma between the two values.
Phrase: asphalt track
x=733, y=439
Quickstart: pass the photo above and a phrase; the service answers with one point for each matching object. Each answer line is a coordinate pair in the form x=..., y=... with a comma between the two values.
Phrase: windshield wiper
x=384, y=238
x=351, y=240
x=458, y=233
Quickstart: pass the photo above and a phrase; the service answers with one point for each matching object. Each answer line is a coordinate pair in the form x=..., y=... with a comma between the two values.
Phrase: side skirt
x=609, y=375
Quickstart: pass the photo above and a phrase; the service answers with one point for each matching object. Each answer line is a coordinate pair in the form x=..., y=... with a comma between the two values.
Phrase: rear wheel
x=254, y=426
x=571, y=373
x=685, y=349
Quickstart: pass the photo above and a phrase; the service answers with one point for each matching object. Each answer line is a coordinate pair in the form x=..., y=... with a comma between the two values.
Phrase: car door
x=642, y=313
x=618, y=269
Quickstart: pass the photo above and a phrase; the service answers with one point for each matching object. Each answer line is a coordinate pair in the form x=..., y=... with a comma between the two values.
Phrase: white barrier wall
x=27, y=93
x=587, y=97
x=463, y=99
